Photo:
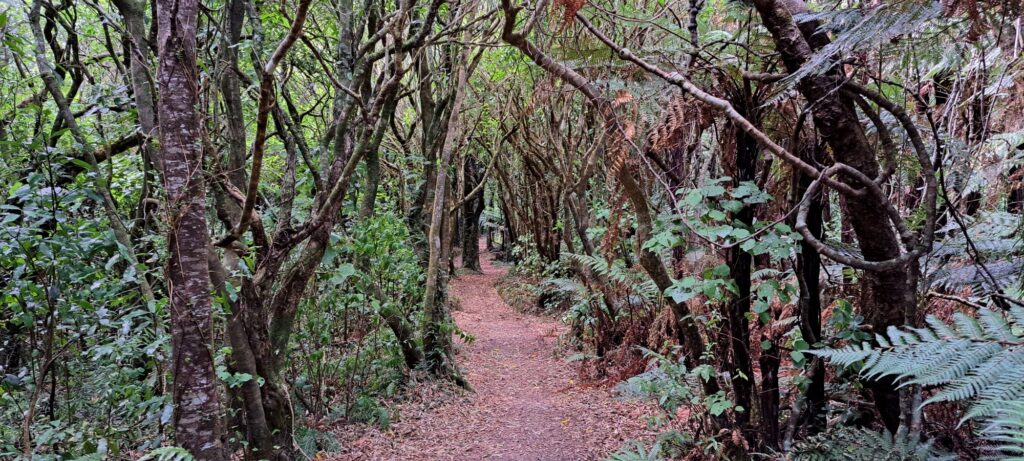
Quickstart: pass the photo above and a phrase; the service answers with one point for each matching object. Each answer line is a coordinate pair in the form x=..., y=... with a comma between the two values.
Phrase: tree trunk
x=740, y=266
x=808, y=271
x=888, y=297
x=471, y=211
x=436, y=340
x=196, y=391
x=1015, y=199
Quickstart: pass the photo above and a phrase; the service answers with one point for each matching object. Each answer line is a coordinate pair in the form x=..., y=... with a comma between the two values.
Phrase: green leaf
x=713, y=190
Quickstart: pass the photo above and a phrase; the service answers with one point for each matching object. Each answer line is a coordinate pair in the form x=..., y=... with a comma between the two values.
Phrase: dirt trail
x=527, y=403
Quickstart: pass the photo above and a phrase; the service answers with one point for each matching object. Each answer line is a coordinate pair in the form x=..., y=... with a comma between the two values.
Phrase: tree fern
x=1005, y=431
x=955, y=278
x=994, y=236
x=863, y=28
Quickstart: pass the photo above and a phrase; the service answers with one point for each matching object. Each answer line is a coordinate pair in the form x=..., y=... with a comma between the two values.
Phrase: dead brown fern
x=569, y=9
x=680, y=125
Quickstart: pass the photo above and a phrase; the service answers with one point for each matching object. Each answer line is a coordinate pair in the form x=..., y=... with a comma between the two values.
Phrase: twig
x=966, y=302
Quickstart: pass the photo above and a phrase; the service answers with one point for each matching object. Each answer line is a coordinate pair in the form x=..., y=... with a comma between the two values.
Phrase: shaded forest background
x=229, y=226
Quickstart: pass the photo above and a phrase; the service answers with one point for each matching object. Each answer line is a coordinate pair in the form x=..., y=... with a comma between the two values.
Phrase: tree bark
x=436, y=342
x=808, y=272
x=196, y=391
x=740, y=268
x=134, y=14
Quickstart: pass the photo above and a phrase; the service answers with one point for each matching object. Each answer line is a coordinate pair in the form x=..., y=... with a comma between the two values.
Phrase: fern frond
x=1005, y=432
x=980, y=359
x=861, y=444
x=977, y=359
x=1006, y=272
x=618, y=273
x=167, y=454
x=863, y=28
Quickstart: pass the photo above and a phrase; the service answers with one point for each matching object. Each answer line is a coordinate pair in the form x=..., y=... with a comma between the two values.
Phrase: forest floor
x=527, y=403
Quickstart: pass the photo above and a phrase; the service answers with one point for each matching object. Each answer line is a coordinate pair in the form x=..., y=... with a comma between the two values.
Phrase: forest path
x=527, y=403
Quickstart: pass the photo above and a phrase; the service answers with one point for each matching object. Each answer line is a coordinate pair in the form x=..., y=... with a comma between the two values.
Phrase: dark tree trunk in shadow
x=808, y=272
x=1015, y=200
x=740, y=267
x=471, y=212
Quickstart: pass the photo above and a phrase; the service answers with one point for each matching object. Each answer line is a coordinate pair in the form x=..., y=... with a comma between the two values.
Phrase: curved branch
x=927, y=170
x=730, y=112
x=265, y=105
x=835, y=255
x=479, y=187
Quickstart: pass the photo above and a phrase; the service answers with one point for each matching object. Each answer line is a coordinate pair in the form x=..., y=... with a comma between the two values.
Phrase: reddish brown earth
x=527, y=405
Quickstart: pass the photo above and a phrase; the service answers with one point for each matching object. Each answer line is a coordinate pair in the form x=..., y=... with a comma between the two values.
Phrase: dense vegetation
x=229, y=225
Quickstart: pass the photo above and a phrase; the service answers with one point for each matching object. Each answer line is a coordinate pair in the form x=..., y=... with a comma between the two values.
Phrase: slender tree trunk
x=196, y=391
x=1015, y=200
x=436, y=341
x=471, y=212
x=740, y=267
x=369, y=200
x=134, y=14
x=808, y=271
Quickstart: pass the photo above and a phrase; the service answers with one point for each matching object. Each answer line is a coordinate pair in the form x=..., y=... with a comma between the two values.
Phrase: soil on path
x=528, y=404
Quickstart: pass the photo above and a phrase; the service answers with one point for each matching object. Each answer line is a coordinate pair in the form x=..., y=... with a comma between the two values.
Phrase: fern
x=979, y=359
x=850, y=443
x=1006, y=432
x=619, y=273
x=636, y=451
x=993, y=234
x=167, y=454
x=1007, y=272
x=972, y=359
x=862, y=28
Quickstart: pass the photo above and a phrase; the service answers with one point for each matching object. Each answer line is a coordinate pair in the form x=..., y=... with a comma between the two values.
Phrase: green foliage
x=1005, y=431
x=668, y=445
x=845, y=324
x=971, y=359
x=64, y=274
x=860, y=444
x=555, y=295
x=863, y=28
x=617, y=272
x=636, y=451
x=707, y=213
x=672, y=386
x=994, y=235
x=167, y=454
x=529, y=261
x=347, y=358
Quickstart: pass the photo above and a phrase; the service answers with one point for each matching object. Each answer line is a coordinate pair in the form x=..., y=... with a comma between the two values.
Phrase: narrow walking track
x=527, y=403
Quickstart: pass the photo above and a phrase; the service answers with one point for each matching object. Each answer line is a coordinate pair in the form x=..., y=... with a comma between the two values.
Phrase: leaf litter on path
x=526, y=406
